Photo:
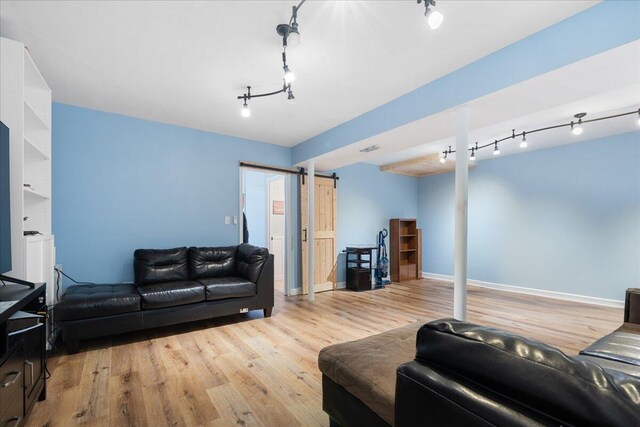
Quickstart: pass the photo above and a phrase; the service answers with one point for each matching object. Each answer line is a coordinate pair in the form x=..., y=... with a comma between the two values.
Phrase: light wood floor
x=246, y=370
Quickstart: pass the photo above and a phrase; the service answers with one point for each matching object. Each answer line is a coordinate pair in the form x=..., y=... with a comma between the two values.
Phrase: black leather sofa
x=465, y=374
x=468, y=375
x=171, y=286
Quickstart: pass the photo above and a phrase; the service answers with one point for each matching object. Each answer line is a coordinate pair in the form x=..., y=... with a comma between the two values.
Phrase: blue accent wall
x=563, y=219
x=600, y=28
x=367, y=199
x=121, y=183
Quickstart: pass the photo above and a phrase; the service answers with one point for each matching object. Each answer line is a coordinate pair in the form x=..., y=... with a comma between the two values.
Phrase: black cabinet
x=359, y=265
x=22, y=351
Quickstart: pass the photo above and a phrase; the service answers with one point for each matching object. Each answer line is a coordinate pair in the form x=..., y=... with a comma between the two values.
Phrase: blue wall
x=564, y=219
x=367, y=199
x=121, y=183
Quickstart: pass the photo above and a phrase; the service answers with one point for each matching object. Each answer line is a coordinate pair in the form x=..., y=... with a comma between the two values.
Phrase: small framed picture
x=278, y=207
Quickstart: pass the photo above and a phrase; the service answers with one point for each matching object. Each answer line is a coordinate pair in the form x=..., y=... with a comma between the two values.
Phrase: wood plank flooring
x=249, y=371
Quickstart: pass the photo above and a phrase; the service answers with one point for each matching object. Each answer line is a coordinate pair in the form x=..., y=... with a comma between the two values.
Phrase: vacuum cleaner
x=382, y=261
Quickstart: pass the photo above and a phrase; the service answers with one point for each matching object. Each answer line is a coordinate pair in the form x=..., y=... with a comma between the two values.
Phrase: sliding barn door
x=324, y=238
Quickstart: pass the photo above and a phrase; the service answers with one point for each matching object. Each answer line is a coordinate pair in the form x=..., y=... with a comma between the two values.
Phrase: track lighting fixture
x=434, y=18
x=290, y=34
x=290, y=37
x=523, y=144
x=576, y=128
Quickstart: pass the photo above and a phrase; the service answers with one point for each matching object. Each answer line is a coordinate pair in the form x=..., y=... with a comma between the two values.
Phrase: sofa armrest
x=632, y=306
x=506, y=375
x=429, y=396
x=264, y=285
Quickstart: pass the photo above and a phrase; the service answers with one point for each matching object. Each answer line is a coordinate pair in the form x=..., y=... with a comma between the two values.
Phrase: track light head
x=289, y=33
x=576, y=128
x=496, y=150
x=434, y=18
x=443, y=158
x=290, y=96
x=293, y=39
x=523, y=143
x=638, y=116
x=289, y=77
x=473, y=155
x=246, y=112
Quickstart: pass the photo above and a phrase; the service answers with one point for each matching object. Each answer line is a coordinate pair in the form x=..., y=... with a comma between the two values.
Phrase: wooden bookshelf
x=405, y=249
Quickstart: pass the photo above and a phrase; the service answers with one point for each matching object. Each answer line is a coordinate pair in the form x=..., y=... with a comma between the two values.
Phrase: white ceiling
x=185, y=62
x=604, y=84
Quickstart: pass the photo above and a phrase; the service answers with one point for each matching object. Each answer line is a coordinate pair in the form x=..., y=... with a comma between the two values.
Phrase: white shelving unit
x=25, y=107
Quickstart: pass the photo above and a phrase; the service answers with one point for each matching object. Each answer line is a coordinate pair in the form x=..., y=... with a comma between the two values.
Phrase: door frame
x=268, y=181
x=288, y=232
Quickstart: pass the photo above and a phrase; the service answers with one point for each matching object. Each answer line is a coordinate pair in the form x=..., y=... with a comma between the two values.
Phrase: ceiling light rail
x=291, y=37
x=573, y=125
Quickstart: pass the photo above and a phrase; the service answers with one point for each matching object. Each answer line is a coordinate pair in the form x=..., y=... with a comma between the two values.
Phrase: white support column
x=462, y=195
x=311, y=206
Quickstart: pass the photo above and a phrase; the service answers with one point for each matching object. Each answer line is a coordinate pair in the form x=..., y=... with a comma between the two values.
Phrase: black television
x=5, y=201
x=5, y=209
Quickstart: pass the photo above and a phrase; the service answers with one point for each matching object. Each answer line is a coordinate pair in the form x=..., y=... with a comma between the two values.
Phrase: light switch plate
x=235, y=219
x=227, y=220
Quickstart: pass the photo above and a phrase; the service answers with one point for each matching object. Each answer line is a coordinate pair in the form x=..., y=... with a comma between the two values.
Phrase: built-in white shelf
x=26, y=110
x=32, y=151
x=32, y=120
x=34, y=193
x=32, y=76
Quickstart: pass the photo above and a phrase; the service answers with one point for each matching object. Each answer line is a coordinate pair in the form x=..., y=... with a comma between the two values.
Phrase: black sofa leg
x=73, y=346
x=267, y=312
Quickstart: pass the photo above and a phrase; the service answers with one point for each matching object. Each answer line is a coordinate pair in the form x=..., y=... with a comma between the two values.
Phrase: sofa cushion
x=611, y=366
x=617, y=346
x=88, y=301
x=169, y=294
x=160, y=265
x=212, y=262
x=582, y=393
x=227, y=287
x=250, y=261
x=366, y=368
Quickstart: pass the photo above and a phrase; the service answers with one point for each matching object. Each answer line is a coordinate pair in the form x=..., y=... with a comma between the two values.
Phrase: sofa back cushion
x=530, y=373
x=250, y=261
x=160, y=265
x=212, y=262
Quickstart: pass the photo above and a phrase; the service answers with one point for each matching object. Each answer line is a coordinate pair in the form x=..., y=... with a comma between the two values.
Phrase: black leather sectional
x=171, y=286
x=453, y=373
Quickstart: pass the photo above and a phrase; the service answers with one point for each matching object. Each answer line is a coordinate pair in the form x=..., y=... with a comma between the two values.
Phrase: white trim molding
x=531, y=291
x=295, y=291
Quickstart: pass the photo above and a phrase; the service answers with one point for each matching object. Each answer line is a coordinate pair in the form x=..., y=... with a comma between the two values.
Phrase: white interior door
x=276, y=227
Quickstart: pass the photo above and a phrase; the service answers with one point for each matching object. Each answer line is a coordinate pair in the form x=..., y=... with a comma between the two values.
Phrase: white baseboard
x=298, y=291
x=530, y=291
x=295, y=291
